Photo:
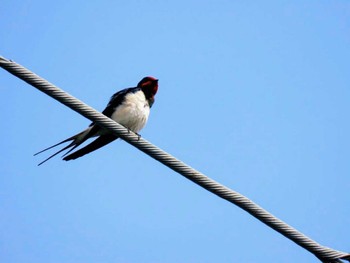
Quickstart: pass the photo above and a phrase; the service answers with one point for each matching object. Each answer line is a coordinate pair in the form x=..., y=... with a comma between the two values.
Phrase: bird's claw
x=138, y=136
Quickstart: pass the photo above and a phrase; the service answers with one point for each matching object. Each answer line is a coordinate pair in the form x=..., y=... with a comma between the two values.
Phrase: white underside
x=133, y=112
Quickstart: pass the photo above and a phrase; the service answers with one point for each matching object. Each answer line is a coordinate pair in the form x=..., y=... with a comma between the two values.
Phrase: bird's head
x=149, y=86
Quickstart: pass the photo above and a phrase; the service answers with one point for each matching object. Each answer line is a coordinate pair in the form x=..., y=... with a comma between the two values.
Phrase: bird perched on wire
x=129, y=107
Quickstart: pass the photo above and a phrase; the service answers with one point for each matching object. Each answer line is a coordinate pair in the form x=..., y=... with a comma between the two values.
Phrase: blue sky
x=255, y=95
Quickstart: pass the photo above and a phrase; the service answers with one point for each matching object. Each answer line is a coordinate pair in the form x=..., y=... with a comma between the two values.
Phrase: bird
x=129, y=107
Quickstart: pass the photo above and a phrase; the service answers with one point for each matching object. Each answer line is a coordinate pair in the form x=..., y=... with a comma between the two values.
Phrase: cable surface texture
x=325, y=254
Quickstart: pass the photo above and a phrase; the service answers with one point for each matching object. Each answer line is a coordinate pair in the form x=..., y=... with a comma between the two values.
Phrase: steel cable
x=325, y=254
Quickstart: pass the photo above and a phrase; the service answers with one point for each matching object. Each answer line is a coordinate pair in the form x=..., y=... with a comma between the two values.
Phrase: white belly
x=133, y=112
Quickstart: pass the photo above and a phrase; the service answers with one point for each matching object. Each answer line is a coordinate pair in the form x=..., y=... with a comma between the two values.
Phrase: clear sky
x=255, y=94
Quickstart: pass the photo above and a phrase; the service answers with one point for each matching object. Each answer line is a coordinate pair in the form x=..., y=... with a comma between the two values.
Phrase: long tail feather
x=96, y=144
x=92, y=132
x=70, y=145
x=76, y=141
x=66, y=140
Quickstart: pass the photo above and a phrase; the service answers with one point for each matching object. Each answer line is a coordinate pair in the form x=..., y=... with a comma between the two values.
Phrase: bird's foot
x=138, y=136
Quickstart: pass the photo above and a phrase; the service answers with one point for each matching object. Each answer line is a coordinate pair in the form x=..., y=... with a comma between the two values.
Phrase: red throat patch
x=155, y=89
x=151, y=85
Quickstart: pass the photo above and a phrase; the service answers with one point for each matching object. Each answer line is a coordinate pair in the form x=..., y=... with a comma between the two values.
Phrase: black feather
x=96, y=144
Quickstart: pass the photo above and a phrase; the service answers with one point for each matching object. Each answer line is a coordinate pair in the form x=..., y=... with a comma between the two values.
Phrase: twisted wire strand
x=325, y=254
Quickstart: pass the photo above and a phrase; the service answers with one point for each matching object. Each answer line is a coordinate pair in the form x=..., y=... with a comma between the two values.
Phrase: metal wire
x=325, y=254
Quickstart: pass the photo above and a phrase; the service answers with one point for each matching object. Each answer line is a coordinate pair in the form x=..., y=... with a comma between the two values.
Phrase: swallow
x=129, y=107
